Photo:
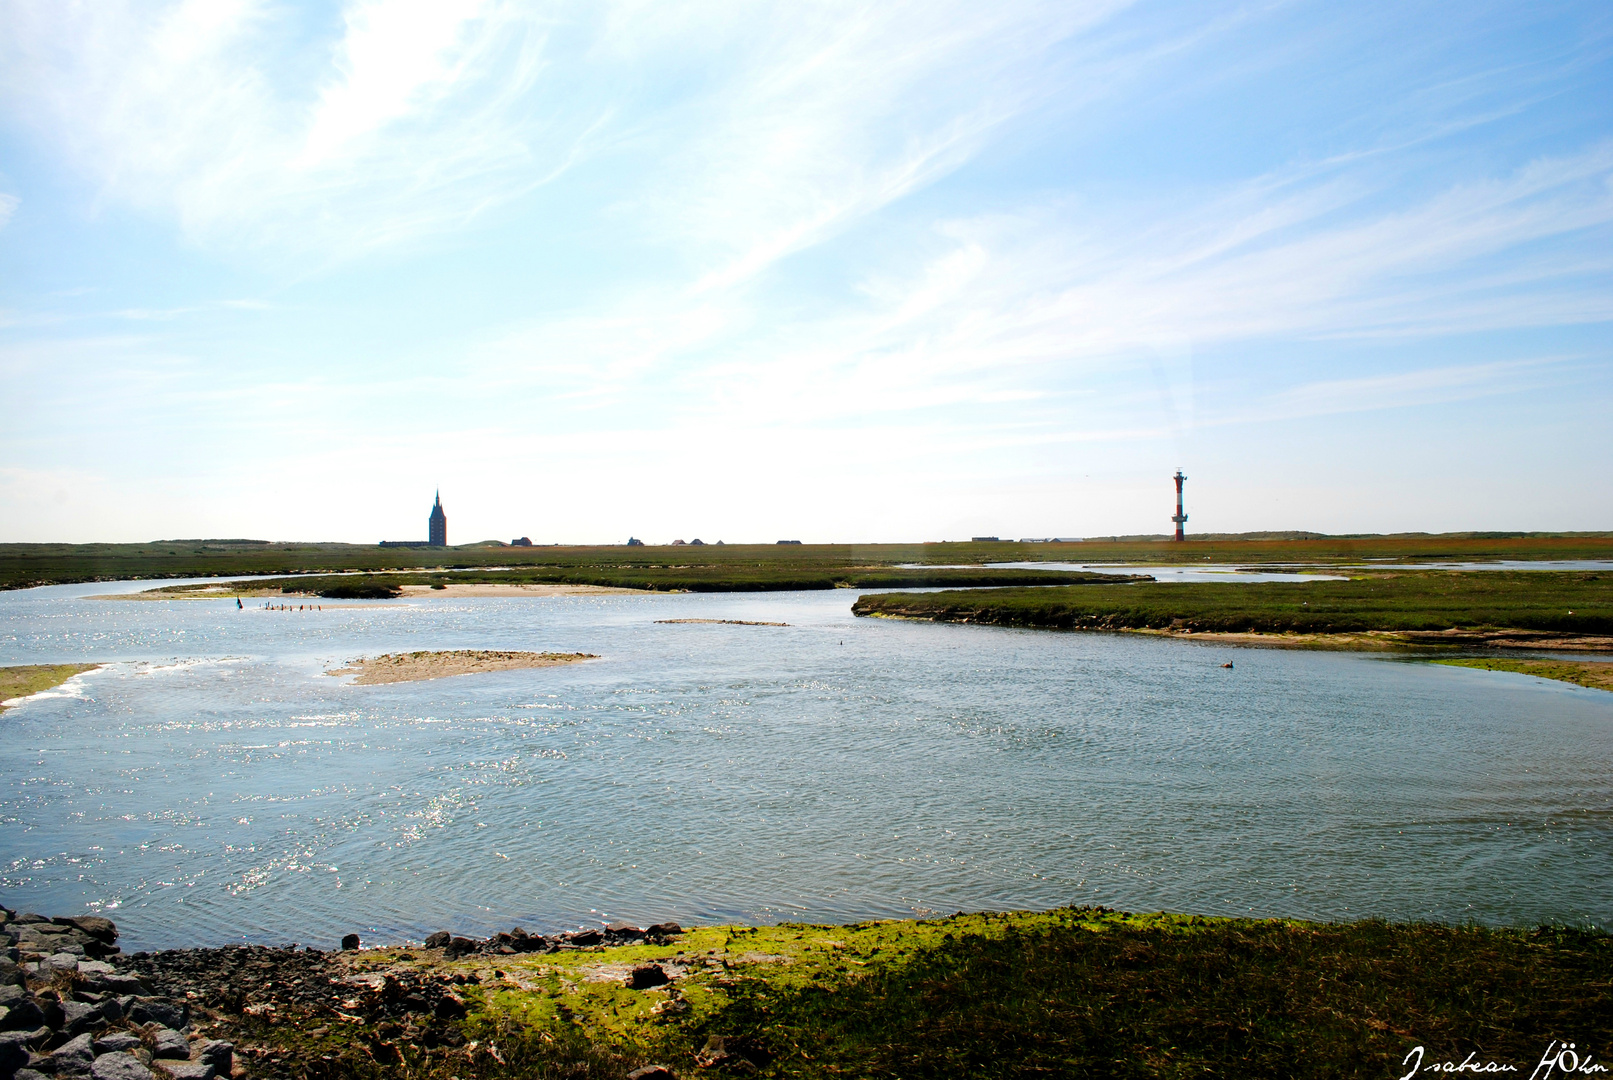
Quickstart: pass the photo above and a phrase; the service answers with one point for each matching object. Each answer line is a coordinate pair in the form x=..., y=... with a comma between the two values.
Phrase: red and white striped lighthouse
x=1179, y=517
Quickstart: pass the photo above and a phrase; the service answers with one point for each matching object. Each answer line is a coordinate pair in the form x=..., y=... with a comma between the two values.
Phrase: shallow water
x=213, y=785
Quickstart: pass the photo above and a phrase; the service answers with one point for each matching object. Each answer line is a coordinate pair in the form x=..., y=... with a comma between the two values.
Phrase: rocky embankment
x=73, y=1005
x=70, y=1007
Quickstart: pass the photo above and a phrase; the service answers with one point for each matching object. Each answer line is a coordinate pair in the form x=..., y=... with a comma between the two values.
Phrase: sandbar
x=511, y=589
x=723, y=622
x=419, y=666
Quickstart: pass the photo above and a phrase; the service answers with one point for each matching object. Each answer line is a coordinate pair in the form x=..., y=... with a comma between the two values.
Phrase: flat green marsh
x=1072, y=992
x=1417, y=607
x=1597, y=674
x=25, y=679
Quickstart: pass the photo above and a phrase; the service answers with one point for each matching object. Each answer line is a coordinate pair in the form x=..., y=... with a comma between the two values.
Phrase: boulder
x=96, y=967
x=664, y=930
x=349, y=942
x=73, y=1058
x=103, y=930
x=586, y=937
x=647, y=975
x=60, y=962
x=217, y=1053
x=449, y=1007
x=186, y=1070
x=458, y=947
x=25, y=1015
x=80, y=1016
x=10, y=973
x=119, y=1066
x=29, y=1074
x=652, y=1072
x=165, y=1012
x=13, y=1052
x=438, y=940
x=168, y=1043
x=118, y=1040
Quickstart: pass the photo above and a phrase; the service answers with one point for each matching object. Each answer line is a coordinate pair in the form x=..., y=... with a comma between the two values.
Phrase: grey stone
x=118, y=1040
x=96, y=967
x=652, y=1072
x=25, y=1014
x=80, y=1016
x=119, y=1066
x=458, y=947
x=122, y=984
x=157, y=1010
x=62, y=961
x=217, y=1053
x=438, y=940
x=187, y=1070
x=168, y=1043
x=95, y=926
x=73, y=1058
x=10, y=994
x=29, y=1074
x=10, y=973
x=647, y=975
x=13, y=1051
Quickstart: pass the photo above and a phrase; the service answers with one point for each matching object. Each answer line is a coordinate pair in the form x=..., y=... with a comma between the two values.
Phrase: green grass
x=1597, y=674
x=23, y=565
x=24, y=679
x=1558, y=602
x=688, y=579
x=1072, y=992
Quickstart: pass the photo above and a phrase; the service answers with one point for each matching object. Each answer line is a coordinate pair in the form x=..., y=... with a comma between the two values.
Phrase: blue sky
x=834, y=271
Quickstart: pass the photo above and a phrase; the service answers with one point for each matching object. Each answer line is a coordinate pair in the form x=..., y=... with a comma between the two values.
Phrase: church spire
x=438, y=524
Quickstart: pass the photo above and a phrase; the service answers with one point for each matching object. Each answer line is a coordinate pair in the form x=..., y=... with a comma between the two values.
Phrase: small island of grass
x=1596, y=674
x=1492, y=608
x=25, y=680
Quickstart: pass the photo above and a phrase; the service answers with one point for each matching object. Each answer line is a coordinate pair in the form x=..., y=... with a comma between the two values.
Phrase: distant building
x=438, y=525
x=789, y=541
x=633, y=541
x=697, y=542
x=984, y=540
x=679, y=543
x=525, y=541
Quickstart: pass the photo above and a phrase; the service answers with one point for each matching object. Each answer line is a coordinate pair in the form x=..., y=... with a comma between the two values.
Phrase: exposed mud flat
x=418, y=666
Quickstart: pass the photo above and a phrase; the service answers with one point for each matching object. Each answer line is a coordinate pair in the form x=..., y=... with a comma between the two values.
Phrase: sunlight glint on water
x=214, y=785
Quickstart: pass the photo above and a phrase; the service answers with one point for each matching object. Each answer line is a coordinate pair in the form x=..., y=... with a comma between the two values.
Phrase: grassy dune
x=1072, y=992
x=1556, y=602
x=23, y=565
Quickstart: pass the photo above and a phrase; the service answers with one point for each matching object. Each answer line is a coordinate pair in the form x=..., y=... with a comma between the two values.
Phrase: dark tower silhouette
x=439, y=525
x=1179, y=517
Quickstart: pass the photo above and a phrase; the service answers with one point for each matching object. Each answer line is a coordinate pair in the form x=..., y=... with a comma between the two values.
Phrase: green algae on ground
x=22, y=680
x=1596, y=674
x=1073, y=992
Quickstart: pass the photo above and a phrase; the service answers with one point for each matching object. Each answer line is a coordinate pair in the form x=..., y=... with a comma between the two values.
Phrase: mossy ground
x=1597, y=674
x=1072, y=992
x=24, y=679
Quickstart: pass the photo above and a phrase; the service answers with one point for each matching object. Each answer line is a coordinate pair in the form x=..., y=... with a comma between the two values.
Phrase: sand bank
x=415, y=592
x=723, y=622
x=417, y=666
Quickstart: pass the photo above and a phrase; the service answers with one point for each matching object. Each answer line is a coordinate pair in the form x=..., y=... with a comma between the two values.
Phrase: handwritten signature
x=1560, y=1057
